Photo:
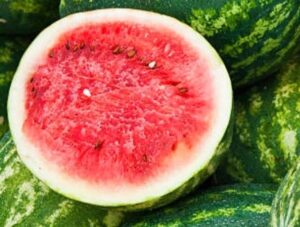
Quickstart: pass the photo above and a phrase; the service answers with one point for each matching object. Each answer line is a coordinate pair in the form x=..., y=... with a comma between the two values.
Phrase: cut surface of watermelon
x=118, y=107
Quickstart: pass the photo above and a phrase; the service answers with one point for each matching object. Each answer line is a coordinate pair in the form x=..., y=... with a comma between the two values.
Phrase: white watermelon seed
x=152, y=65
x=87, y=92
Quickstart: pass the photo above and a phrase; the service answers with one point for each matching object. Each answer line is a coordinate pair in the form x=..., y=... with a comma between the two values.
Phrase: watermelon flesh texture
x=133, y=106
x=113, y=106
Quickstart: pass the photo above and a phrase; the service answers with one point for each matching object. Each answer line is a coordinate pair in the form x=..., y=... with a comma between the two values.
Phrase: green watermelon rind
x=286, y=205
x=230, y=205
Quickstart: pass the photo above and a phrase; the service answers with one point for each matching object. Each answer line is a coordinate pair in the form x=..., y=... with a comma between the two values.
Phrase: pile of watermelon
x=150, y=113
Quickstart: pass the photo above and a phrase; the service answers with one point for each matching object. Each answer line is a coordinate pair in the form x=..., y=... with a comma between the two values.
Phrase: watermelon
x=26, y=16
x=286, y=205
x=26, y=201
x=266, y=135
x=252, y=36
x=11, y=50
x=121, y=108
x=232, y=205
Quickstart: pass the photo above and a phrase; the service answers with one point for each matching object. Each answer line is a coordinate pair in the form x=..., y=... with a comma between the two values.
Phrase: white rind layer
x=119, y=195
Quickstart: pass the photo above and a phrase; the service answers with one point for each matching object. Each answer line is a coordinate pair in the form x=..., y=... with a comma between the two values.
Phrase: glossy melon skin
x=26, y=16
x=26, y=201
x=11, y=50
x=232, y=205
x=286, y=205
x=266, y=132
x=253, y=37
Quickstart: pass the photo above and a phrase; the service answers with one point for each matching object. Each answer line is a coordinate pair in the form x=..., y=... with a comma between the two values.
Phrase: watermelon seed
x=183, y=90
x=82, y=45
x=87, y=92
x=131, y=53
x=174, y=146
x=117, y=49
x=34, y=92
x=67, y=45
x=145, y=158
x=51, y=54
x=31, y=80
x=152, y=65
x=76, y=47
x=98, y=144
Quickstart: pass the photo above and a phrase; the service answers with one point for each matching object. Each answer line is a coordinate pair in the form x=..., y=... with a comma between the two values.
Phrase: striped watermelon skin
x=286, y=205
x=235, y=205
x=26, y=201
x=266, y=140
x=253, y=37
x=26, y=16
x=11, y=50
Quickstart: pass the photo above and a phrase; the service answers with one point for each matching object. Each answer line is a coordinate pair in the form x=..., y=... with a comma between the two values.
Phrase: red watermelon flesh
x=110, y=109
x=118, y=103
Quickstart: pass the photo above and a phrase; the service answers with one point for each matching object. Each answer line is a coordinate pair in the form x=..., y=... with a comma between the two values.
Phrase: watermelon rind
x=231, y=205
x=157, y=193
x=286, y=205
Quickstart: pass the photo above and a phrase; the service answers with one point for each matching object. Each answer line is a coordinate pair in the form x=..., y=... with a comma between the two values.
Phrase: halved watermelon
x=121, y=108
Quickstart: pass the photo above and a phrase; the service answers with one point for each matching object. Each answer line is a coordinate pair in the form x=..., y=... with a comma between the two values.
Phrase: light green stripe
x=269, y=45
x=10, y=170
x=26, y=7
x=64, y=208
x=6, y=77
x=258, y=208
x=6, y=53
x=262, y=27
x=210, y=22
x=267, y=157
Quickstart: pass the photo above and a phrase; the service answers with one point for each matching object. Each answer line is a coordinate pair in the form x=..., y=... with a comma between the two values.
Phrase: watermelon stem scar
x=126, y=105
